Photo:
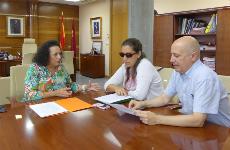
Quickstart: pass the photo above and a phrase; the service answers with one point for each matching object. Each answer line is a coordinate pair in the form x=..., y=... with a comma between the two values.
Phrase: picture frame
x=96, y=27
x=15, y=26
x=97, y=47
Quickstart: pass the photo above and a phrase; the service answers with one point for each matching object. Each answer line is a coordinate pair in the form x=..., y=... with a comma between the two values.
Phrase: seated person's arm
x=117, y=89
x=32, y=84
x=112, y=85
x=150, y=118
x=63, y=92
x=145, y=75
x=156, y=102
x=193, y=120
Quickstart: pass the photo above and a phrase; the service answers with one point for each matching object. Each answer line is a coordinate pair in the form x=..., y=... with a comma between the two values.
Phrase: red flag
x=62, y=33
x=73, y=40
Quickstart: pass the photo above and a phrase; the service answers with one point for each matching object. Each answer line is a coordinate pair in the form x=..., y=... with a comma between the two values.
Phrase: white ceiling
x=67, y=2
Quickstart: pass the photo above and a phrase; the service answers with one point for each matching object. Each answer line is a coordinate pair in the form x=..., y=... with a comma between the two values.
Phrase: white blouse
x=148, y=81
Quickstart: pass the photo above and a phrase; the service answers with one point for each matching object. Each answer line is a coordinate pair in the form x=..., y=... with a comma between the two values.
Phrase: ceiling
x=67, y=2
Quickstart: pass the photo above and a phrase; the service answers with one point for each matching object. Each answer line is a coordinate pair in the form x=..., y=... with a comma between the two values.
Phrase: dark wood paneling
x=11, y=8
x=223, y=44
x=163, y=39
x=49, y=22
x=42, y=21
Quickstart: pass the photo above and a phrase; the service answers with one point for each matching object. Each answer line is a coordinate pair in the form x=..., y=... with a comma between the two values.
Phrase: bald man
x=200, y=92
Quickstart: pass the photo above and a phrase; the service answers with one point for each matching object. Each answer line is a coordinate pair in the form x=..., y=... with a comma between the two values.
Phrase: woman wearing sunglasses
x=136, y=77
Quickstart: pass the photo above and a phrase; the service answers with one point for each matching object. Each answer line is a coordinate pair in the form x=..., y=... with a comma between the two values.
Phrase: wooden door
x=223, y=42
x=163, y=39
x=119, y=31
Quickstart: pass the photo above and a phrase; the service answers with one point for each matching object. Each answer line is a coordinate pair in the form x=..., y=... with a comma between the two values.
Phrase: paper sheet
x=112, y=98
x=47, y=109
x=122, y=108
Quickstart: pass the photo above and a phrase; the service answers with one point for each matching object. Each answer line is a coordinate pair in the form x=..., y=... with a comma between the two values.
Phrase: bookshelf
x=215, y=50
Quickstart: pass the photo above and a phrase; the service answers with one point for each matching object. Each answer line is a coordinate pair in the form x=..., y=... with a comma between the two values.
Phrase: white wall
x=168, y=6
x=100, y=8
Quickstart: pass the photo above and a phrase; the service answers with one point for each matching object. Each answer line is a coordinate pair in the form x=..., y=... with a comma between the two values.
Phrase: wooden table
x=95, y=129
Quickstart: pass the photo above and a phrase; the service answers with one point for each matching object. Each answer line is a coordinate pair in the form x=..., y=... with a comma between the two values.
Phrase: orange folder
x=73, y=104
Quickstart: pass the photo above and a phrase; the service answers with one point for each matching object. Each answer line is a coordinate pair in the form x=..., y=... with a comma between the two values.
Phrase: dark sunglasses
x=128, y=55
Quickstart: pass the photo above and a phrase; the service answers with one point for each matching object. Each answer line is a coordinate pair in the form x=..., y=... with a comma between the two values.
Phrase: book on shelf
x=190, y=26
x=210, y=62
x=211, y=27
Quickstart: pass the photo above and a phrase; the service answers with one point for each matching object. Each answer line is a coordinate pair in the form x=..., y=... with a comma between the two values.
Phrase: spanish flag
x=73, y=40
x=62, y=33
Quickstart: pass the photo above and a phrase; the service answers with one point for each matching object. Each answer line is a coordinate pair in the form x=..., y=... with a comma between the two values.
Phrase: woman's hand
x=91, y=87
x=121, y=91
x=64, y=92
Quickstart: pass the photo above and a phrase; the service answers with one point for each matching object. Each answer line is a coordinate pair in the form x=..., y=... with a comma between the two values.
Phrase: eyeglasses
x=128, y=55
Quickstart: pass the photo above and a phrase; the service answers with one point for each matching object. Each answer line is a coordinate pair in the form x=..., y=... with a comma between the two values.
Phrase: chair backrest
x=17, y=83
x=27, y=58
x=158, y=68
x=165, y=74
x=4, y=90
x=29, y=46
x=68, y=61
x=225, y=81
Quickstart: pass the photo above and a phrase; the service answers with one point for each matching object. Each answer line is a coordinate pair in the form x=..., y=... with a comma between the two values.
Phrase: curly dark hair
x=43, y=53
x=136, y=46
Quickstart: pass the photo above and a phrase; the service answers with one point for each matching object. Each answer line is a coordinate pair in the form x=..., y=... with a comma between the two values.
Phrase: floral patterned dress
x=39, y=79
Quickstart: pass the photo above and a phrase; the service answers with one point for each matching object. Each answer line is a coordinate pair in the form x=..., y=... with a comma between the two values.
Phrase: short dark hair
x=43, y=53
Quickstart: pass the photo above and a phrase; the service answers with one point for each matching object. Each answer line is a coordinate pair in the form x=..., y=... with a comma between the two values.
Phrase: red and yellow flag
x=62, y=33
x=73, y=40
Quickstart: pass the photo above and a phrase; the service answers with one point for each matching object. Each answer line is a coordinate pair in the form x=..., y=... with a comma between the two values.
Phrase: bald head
x=185, y=51
x=188, y=44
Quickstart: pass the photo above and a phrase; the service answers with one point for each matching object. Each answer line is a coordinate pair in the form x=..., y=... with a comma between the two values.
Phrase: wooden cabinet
x=163, y=39
x=92, y=65
x=5, y=66
x=167, y=28
x=223, y=42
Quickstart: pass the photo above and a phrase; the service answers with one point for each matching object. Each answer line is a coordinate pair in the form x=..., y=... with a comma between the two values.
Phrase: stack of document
x=112, y=98
x=59, y=107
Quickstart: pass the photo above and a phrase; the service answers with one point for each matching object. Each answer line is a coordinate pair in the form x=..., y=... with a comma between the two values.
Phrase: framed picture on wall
x=95, y=27
x=97, y=47
x=15, y=26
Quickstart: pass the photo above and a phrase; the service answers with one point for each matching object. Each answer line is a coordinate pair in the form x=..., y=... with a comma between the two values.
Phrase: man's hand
x=148, y=117
x=136, y=104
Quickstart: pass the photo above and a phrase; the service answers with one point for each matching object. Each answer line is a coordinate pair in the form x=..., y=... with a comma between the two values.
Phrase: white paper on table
x=47, y=109
x=112, y=98
x=122, y=108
